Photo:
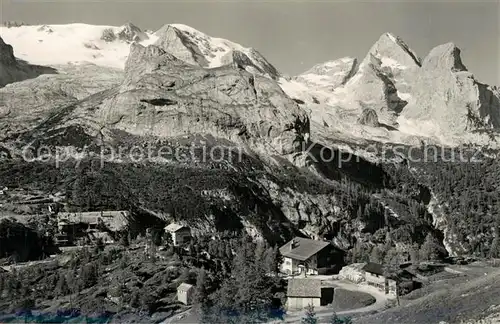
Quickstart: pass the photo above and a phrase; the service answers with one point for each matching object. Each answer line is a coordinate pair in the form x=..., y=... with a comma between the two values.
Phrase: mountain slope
x=75, y=43
x=178, y=96
x=380, y=81
x=23, y=105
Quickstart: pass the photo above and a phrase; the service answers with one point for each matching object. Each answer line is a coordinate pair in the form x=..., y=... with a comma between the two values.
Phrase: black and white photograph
x=250, y=161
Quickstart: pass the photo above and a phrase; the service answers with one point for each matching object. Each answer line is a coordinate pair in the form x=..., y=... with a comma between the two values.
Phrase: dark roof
x=304, y=288
x=403, y=275
x=304, y=248
x=374, y=268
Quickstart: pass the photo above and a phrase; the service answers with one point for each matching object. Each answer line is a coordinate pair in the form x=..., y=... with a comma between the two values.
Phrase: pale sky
x=295, y=35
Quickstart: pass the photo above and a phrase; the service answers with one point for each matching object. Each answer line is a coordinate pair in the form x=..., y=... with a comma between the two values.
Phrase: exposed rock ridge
x=174, y=41
x=132, y=33
x=444, y=57
x=405, y=47
x=240, y=60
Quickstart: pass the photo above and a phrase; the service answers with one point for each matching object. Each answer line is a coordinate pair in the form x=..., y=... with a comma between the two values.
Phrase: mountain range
x=409, y=99
x=84, y=86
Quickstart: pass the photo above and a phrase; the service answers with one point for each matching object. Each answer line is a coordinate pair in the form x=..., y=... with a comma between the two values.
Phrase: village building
x=306, y=256
x=303, y=292
x=112, y=220
x=401, y=281
x=180, y=234
x=353, y=272
x=77, y=226
x=185, y=293
x=374, y=276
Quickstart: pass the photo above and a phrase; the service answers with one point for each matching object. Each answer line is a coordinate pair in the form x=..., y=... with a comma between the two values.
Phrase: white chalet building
x=302, y=255
x=180, y=234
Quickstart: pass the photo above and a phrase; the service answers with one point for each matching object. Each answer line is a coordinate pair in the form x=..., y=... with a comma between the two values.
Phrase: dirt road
x=324, y=313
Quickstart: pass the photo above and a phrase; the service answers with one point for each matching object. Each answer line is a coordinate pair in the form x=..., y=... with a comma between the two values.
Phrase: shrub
x=108, y=35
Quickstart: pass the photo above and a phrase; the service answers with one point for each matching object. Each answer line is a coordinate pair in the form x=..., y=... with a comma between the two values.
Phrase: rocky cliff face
x=13, y=70
x=445, y=94
x=23, y=105
x=380, y=82
x=369, y=117
x=164, y=96
x=6, y=53
x=195, y=47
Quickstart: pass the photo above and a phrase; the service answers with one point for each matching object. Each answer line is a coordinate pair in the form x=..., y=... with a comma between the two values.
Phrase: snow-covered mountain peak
x=329, y=75
x=110, y=46
x=393, y=52
x=393, y=95
x=131, y=33
x=196, y=47
x=445, y=56
x=330, y=67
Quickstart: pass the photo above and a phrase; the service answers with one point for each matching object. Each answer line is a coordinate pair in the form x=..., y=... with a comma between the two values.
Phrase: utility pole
x=149, y=243
x=397, y=292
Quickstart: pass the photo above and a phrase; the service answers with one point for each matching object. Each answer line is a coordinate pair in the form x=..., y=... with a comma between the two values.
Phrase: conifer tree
x=200, y=296
x=335, y=319
x=310, y=316
x=430, y=248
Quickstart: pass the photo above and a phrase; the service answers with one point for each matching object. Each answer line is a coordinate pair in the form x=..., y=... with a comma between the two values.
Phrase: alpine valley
x=390, y=152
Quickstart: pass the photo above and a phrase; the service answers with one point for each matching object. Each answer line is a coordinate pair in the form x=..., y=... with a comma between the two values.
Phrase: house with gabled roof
x=375, y=276
x=306, y=256
x=303, y=292
x=180, y=234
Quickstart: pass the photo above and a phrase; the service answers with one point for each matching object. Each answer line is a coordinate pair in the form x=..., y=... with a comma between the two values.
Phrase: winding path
x=324, y=313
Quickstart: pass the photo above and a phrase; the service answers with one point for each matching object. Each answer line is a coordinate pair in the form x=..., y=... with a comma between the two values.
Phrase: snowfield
x=68, y=44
